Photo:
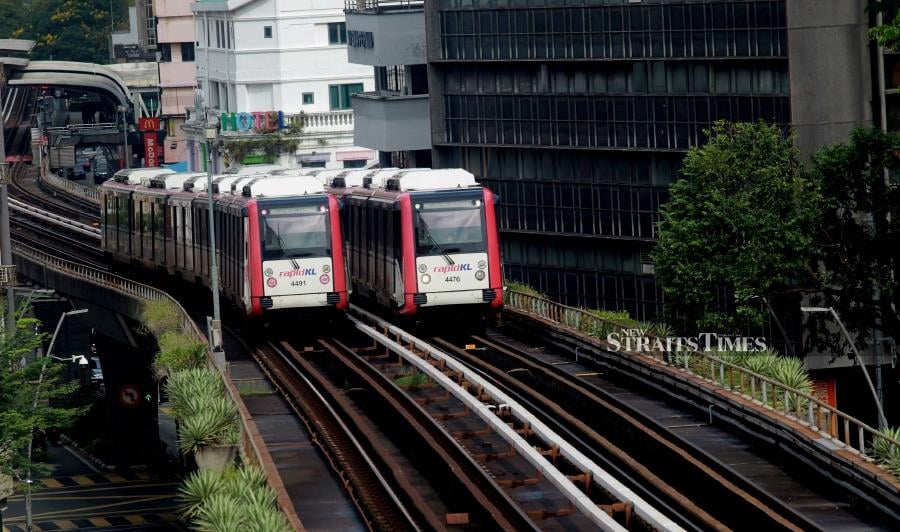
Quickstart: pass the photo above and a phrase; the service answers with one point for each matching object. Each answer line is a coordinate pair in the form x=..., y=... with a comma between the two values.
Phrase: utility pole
x=215, y=324
x=8, y=273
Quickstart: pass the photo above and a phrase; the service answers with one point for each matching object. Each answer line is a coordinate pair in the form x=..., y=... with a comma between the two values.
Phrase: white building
x=258, y=56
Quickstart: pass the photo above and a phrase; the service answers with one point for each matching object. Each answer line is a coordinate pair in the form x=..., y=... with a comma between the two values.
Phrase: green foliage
x=236, y=499
x=886, y=452
x=888, y=33
x=204, y=429
x=208, y=417
x=20, y=385
x=270, y=144
x=199, y=486
x=735, y=225
x=64, y=30
x=857, y=232
x=179, y=350
x=522, y=287
x=162, y=315
x=416, y=380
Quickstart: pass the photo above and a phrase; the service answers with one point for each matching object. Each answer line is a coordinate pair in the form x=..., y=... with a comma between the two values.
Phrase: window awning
x=358, y=155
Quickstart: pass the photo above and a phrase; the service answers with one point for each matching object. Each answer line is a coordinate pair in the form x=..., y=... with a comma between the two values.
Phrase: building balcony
x=389, y=121
x=381, y=33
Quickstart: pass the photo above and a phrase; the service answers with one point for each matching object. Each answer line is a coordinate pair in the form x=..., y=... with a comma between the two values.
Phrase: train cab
x=295, y=244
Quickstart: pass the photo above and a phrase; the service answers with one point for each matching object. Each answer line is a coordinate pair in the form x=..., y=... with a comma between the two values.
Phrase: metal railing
x=370, y=6
x=251, y=440
x=88, y=193
x=778, y=399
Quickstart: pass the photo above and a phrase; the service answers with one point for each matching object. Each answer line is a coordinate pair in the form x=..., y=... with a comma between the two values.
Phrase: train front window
x=449, y=226
x=295, y=232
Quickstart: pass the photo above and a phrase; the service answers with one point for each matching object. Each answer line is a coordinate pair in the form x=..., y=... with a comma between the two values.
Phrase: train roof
x=168, y=181
x=138, y=176
x=283, y=187
x=356, y=178
x=418, y=179
x=251, y=169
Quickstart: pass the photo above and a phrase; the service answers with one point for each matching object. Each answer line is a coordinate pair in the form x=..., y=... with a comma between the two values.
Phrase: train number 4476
x=452, y=279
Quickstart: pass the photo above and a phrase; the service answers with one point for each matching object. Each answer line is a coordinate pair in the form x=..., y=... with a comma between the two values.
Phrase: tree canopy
x=19, y=388
x=736, y=228
x=64, y=30
x=857, y=235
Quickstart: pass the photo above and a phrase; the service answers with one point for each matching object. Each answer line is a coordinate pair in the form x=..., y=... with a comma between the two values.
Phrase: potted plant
x=209, y=433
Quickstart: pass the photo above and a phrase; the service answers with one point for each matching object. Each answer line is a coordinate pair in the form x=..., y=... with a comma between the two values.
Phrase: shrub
x=188, y=385
x=761, y=363
x=204, y=495
x=161, y=315
x=221, y=512
x=179, y=350
x=197, y=487
x=886, y=452
x=208, y=427
x=522, y=287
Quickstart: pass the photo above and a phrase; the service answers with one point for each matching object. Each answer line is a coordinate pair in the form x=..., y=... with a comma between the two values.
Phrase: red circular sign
x=130, y=396
x=271, y=281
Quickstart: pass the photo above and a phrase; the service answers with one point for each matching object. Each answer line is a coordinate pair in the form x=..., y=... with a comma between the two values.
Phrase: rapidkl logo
x=298, y=273
x=453, y=268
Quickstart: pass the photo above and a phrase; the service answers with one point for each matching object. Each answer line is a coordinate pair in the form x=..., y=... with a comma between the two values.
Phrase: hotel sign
x=360, y=39
x=261, y=121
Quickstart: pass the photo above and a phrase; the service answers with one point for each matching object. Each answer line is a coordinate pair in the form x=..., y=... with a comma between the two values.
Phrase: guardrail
x=88, y=193
x=251, y=440
x=780, y=400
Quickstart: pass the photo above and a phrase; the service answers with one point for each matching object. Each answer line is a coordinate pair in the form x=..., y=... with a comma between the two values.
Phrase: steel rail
x=644, y=510
x=40, y=214
x=368, y=487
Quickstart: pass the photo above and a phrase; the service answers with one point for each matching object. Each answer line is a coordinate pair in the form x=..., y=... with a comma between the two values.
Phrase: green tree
x=29, y=394
x=736, y=227
x=64, y=30
x=888, y=33
x=857, y=236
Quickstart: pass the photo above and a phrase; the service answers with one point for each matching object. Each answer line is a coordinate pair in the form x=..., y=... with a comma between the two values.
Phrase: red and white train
x=278, y=239
x=421, y=239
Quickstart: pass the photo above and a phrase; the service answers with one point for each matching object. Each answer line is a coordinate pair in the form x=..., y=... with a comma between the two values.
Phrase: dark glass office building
x=578, y=114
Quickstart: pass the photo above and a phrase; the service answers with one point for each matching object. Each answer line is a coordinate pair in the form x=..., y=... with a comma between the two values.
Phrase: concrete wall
x=830, y=70
x=395, y=123
x=399, y=38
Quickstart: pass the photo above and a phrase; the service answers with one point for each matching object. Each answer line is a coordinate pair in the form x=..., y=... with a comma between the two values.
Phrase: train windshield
x=449, y=226
x=295, y=232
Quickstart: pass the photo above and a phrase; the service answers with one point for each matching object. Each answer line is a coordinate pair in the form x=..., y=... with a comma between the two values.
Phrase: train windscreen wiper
x=434, y=243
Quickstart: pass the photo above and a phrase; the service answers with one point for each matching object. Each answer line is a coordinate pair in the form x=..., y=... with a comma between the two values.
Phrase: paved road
x=78, y=497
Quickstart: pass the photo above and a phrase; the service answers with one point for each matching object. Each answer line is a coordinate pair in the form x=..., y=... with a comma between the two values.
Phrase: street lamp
x=882, y=421
x=37, y=393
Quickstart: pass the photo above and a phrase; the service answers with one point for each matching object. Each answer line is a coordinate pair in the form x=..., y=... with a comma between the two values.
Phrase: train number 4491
x=298, y=283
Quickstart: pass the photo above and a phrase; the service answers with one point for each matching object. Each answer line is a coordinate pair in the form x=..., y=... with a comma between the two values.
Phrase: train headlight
x=324, y=279
x=479, y=275
x=482, y=264
x=423, y=268
x=425, y=278
x=326, y=268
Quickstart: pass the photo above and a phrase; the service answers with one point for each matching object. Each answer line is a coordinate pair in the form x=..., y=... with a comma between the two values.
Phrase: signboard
x=262, y=121
x=148, y=123
x=129, y=396
x=824, y=389
x=151, y=150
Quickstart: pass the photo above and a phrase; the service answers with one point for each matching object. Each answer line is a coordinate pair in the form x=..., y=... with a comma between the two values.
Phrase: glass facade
x=578, y=114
